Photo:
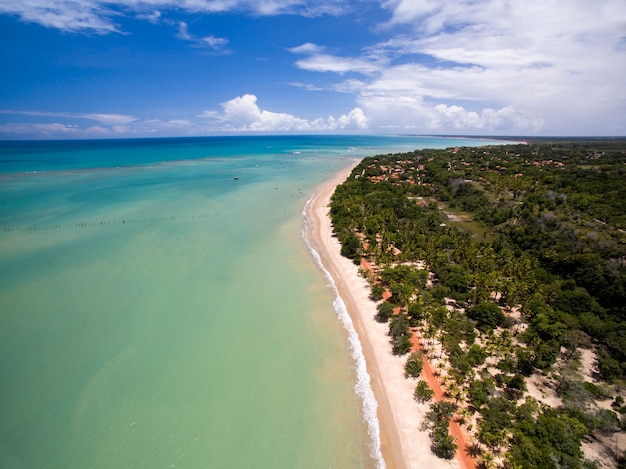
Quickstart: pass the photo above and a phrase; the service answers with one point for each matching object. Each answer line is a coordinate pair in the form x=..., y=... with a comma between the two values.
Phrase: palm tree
x=474, y=450
x=487, y=460
x=453, y=390
x=440, y=368
x=463, y=415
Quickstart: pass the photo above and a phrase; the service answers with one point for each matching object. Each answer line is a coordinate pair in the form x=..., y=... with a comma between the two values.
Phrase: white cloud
x=551, y=66
x=240, y=114
x=53, y=130
x=415, y=96
x=341, y=65
x=243, y=114
x=66, y=15
x=209, y=114
x=319, y=61
x=99, y=15
x=80, y=125
x=536, y=66
x=412, y=113
x=183, y=32
x=152, y=17
x=108, y=119
x=507, y=119
x=215, y=43
x=306, y=86
x=355, y=119
x=307, y=48
x=405, y=11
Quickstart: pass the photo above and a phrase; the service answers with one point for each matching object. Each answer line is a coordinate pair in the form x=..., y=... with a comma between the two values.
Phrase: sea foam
x=362, y=386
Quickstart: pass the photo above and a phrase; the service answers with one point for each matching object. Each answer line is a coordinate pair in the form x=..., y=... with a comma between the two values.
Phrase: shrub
x=377, y=292
x=476, y=355
x=438, y=421
x=385, y=311
x=423, y=393
x=416, y=311
x=401, y=335
x=414, y=365
x=442, y=444
x=487, y=315
x=401, y=345
x=480, y=392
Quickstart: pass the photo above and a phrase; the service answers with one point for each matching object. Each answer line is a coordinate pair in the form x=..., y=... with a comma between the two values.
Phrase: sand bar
x=403, y=444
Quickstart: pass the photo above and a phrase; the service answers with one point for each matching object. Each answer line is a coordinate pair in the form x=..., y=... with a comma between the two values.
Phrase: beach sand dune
x=403, y=444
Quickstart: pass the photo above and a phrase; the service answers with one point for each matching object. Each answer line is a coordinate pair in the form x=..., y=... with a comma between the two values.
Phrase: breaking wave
x=362, y=387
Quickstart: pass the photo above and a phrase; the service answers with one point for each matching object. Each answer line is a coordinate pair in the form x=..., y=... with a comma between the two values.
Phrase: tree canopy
x=539, y=229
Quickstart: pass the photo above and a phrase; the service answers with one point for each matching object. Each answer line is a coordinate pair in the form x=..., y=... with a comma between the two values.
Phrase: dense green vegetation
x=526, y=245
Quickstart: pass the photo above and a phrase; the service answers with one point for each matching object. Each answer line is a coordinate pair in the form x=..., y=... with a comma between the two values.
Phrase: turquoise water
x=158, y=312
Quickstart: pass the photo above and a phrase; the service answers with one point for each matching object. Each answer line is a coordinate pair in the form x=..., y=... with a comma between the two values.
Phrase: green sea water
x=160, y=308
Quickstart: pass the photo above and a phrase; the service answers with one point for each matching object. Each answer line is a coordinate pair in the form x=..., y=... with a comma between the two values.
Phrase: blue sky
x=138, y=68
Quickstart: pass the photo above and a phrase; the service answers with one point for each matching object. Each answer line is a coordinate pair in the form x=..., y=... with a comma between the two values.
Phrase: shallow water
x=158, y=312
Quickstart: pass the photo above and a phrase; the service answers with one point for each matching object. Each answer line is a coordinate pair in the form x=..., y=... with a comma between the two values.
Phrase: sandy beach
x=403, y=444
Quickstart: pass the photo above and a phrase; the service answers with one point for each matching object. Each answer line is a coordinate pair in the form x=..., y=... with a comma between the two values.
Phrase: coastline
x=402, y=443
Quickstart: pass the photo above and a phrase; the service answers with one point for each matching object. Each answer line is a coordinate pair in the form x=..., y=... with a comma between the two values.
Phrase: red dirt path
x=465, y=461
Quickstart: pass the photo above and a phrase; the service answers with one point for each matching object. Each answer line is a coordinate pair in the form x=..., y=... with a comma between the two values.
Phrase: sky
x=158, y=68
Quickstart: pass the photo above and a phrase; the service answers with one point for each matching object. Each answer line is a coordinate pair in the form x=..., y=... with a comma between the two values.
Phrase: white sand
x=403, y=444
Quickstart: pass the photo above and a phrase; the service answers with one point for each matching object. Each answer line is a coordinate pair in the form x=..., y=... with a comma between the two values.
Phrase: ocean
x=160, y=307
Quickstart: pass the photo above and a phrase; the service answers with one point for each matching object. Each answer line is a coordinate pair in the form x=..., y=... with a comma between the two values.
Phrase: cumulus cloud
x=507, y=119
x=487, y=65
x=414, y=114
x=532, y=66
x=394, y=95
x=240, y=114
x=243, y=114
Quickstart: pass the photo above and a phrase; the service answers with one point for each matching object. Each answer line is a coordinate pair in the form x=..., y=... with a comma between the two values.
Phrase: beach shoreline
x=402, y=443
